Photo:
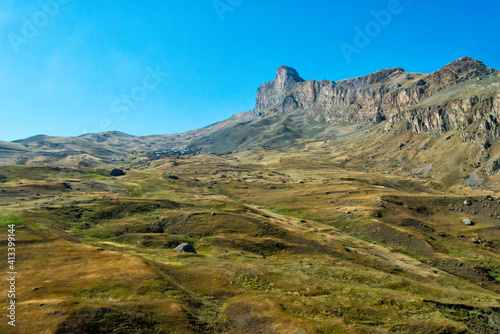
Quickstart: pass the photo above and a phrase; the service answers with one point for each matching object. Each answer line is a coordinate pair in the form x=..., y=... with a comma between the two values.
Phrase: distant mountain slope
x=97, y=148
x=11, y=146
x=463, y=95
x=274, y=131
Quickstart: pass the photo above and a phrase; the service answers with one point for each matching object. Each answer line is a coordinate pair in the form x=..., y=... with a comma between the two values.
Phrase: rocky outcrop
x=463, y=95
x=346, y=101
x=277, y=92
x=474, y=117
x=493, y=167
x=185, y=248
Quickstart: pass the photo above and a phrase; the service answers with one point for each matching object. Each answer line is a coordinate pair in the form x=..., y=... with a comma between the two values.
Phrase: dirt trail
x=327, y=232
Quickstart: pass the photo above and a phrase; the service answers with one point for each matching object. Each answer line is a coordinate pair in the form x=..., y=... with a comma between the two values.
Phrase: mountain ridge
x=371, y=98
x=464, y=95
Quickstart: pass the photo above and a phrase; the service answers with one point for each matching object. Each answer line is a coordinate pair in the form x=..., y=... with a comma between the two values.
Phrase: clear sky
x=69, y=67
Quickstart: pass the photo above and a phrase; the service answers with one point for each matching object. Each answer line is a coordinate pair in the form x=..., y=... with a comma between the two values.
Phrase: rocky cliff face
x=463, y=95
x=277, y=92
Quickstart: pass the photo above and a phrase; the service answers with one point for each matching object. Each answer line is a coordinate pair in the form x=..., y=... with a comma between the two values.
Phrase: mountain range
x=462, y=98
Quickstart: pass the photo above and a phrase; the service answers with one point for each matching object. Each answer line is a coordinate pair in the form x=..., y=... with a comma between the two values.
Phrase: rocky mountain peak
x=285, y=73
x=286, y=78
x=274, y=91
x=465, y=63
x=467, y=67
x=288, y=92
x=393, y=95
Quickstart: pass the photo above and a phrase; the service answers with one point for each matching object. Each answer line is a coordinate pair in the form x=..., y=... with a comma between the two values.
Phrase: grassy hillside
x=319, y=238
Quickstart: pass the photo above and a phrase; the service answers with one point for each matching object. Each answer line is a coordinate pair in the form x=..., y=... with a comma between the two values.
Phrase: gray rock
x=474, y=180
x=185, y=248
x=426, y=146
x=493, y=167
x=467, y=222
x=421, y=171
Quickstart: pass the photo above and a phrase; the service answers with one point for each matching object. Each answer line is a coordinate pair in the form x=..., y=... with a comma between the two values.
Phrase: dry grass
x=287, y=240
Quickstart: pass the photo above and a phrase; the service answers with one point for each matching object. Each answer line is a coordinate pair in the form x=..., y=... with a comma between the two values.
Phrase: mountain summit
x=285, y=76
x=272, y=92
x=468, y=66
x=389, y=94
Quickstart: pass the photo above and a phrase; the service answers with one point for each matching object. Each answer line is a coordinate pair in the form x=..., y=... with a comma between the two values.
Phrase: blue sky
x=69, y=67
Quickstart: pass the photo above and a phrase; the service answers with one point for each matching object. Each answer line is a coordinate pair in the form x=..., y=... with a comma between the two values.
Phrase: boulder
x=185, y=248
x=426, y=146
x=467, y=222
x=117, y=172
x=66, y=185
x=466, y=202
